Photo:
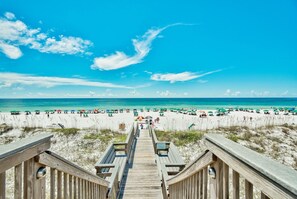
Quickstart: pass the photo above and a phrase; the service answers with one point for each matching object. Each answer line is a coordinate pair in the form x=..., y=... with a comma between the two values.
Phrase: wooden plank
x=79, y=188
x=52, y=183
x=28, y=179
x=20, y=156
x=18, y=180
x=199, y=184
x=266, y=174
x=65, y=187
x=235, y=183
x=13, y=148
x=248, y=190
x=70, y=186
x=225, y=181
x=205, y=183
x=38, y=183
x=74, y=187
x=202, y=161
x=3, y=185
x=54, y=161
x=59, y=184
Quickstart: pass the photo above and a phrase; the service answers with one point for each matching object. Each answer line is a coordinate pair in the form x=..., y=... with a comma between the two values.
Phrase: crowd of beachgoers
x=163, y=118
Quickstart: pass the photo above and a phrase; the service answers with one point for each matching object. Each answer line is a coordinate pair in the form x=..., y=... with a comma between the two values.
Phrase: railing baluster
x=248, y=190
x=28, y=178
x=52, y=183
x=205, y=182
x=235, y=183
x=199, y=184
x=65, y=186
x=78, y=181
x=18, y=178
x=74, y=187
x=195, y=184
x=59, y=184
x=2, y=185
x=225, y=181
x=70, y=186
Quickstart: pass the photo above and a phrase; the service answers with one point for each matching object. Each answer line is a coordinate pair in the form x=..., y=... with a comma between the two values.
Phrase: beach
x=171, y=121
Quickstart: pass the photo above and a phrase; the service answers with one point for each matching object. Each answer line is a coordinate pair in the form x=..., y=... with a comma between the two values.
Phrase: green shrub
x=29, y=129
x=233, y=137
x=106, y=135
x=180, y=138
x=66, y=131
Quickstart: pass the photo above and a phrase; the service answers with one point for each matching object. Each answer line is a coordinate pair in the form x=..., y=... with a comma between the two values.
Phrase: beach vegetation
x=66, y=131
x=106, y=135
x=180, y=138
x=247, y=135
x=5, y=128
x=28, y=129
x=233, y=137
x=291, y=127
x=257, y=149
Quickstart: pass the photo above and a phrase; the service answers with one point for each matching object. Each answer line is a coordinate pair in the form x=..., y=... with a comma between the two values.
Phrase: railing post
x=216, y=181
x=39, y=188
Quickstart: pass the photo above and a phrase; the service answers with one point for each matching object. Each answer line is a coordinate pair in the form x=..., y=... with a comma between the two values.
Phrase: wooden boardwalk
x=141, y=179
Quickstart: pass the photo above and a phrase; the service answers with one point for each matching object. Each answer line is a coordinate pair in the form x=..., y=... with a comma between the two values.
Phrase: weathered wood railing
x=168, y=160
x=30, y=160
x=219, y=171
x=112, y=163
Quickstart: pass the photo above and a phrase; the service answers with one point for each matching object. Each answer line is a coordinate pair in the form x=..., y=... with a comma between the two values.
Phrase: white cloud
x=186, y=94
x=230, y=93
x=9, y=79
x=15, y=33
x=9, y=15
x=10, y=51
x=259, y=94
x=179, y=77
x=142, y=47
x=166, y=93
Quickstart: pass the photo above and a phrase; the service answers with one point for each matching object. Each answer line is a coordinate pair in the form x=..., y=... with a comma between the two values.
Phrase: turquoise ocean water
x=112, y=103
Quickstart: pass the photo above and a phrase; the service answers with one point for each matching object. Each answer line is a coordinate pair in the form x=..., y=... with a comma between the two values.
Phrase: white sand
x=170, y=120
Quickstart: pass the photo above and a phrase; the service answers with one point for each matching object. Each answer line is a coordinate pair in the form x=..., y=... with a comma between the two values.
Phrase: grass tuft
x=233, y=137
x=106, y=135
x=66, y=131
x=180, y=138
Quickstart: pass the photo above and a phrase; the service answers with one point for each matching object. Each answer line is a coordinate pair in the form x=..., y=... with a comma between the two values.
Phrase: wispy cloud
x=142, y=47
x=15, y=33
x=9, y=79
x=228, y=92
x=166, y=93
x=179, y=77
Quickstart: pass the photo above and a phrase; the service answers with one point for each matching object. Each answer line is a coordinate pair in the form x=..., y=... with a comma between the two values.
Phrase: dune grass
x=180, y=138
x=66, y=131
x=106, y=135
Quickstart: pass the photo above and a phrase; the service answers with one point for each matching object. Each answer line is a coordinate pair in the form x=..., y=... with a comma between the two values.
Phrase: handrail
x=57, y=162
x=17, y=147
x=113, y=187
x=156, y=142
x=17, y=152
x=271, y=178
x=279, y=179
x=202, y=161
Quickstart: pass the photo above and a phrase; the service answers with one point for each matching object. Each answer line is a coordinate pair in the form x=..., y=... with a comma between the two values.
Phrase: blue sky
x=148, y=48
